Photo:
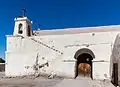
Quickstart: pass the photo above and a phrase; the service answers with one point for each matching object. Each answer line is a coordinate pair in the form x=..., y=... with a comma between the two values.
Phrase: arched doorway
x=84, y=62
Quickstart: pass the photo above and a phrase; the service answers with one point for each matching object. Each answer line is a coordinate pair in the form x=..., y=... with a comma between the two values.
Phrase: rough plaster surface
x=29, y=55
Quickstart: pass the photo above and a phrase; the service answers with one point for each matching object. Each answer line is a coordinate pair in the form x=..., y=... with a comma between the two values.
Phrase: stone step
x=47, y=46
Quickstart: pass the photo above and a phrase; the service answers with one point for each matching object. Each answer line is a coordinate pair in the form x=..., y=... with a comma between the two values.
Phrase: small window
x=29, y=33
x=20, y=28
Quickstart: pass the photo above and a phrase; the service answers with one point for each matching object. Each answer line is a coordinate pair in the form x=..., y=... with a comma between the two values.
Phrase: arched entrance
x=84, y=62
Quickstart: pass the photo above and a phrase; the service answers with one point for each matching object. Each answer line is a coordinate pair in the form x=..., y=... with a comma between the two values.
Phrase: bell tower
x=23, y=26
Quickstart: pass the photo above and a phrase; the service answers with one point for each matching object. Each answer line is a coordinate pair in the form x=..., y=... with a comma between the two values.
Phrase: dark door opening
x=115, y=74
x=84, y=65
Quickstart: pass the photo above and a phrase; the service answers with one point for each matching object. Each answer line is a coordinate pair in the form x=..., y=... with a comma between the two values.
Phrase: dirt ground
x=45, y=82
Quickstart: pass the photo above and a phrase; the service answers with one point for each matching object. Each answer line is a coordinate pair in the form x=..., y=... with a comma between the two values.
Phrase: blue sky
x=58, y=14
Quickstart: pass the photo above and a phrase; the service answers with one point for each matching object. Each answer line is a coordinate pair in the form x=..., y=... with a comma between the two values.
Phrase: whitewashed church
x=59, y=52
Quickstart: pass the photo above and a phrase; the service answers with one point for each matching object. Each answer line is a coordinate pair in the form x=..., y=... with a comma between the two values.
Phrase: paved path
x=58, y=82
x=44, y=82
x=83, y=82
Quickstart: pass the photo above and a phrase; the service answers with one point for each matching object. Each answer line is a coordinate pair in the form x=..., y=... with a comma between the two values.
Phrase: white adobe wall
x=22, y=52
x=100, y=47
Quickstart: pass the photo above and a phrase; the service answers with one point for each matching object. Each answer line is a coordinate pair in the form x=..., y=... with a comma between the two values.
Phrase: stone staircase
x=43, y=44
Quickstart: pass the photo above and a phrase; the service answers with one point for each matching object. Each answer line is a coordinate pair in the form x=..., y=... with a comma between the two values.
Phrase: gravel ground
x=56, y=82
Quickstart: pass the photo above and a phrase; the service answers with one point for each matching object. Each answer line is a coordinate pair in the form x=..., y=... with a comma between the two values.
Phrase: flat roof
x=109, y=28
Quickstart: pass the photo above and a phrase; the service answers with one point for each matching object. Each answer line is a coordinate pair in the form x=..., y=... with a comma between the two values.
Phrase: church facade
x=59, y=52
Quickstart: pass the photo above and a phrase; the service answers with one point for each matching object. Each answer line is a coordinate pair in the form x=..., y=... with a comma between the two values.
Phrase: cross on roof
x=24, y=12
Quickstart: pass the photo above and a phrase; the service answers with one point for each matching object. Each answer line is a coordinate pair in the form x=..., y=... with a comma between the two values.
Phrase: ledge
x=13, y=36
x=100, y=61
x=19, y=52
x=69, y=60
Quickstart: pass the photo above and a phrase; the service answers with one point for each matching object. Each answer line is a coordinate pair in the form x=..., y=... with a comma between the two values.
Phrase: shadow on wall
x=2, y=65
